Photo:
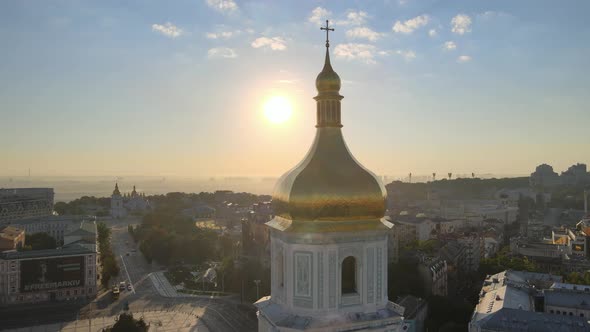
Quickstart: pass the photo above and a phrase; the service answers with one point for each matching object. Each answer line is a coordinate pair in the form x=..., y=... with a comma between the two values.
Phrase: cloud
x=274, y=43
x=222, y=52
x=223, y=6
x=353, y=51
x=168, y=30
x=461, y=24
x=219, y=35
x=410, y=25
x=463, y=58
x=450, y=45
x=363, y=32
x=432, y=33
x=319, y=15
x=354, y=18
x=407, y=55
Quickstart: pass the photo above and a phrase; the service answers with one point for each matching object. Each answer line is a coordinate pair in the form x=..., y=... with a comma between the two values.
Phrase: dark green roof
x=32, y=254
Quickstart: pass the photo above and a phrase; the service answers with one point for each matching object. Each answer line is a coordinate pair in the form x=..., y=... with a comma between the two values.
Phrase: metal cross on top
x=328, y=29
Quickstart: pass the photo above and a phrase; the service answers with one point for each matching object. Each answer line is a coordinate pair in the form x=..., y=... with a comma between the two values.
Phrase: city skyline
x=151, y=89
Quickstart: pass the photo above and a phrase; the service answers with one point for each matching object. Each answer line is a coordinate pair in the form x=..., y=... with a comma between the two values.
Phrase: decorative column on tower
x=329, y=236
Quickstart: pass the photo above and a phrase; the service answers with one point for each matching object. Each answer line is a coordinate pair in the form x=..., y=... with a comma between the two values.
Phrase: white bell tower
x=329, y=236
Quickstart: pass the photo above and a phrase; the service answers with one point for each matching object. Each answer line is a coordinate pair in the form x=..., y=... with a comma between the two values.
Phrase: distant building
x=11, y=238
x=67, y=273
x=231, y=214
x=123, y=205
x=544, y=176
x=255, y=233
x=493, y=237
x=86, y=236
x=453, y=254
x=56, y=226
x=393, y=246
x=21, y=203
x=200, y=211
x=575, y=174
x=526, y=301
x=416, y=310
x=473, y=251
x=411, y=228
x=433, y=273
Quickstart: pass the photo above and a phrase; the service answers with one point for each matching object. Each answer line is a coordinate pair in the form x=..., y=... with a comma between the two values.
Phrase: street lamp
x=257, y=282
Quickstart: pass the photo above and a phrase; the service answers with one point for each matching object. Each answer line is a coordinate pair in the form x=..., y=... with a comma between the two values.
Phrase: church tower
x=329, y=235
x=117, y=209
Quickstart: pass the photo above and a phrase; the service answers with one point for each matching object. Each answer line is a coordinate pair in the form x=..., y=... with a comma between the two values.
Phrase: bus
x=115, y=292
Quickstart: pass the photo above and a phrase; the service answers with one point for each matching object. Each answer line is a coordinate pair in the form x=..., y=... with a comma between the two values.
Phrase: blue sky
x=176, y=87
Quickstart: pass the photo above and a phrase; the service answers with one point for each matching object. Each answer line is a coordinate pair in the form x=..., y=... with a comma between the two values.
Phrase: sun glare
x=277, y=109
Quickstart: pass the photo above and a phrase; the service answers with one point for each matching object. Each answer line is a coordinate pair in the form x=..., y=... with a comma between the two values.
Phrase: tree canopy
x=126, y=323
x=39, y=241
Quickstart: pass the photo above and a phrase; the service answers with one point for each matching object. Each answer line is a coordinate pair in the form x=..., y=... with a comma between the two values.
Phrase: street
x=217, y=314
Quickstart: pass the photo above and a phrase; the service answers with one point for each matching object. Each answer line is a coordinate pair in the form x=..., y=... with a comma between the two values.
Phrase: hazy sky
x=176, y=87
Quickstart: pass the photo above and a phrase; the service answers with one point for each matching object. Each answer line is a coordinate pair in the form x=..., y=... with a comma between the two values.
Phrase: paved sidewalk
x=163, y=286
x=158, y=321
x=166, y=289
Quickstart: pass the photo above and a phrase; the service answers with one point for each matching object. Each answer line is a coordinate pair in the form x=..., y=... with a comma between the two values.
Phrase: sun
x=277, y=109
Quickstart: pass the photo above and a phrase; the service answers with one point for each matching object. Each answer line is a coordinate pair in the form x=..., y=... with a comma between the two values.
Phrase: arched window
x=349, y=275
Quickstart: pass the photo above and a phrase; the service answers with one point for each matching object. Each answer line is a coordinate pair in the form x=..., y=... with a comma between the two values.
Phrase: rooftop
x=32, y=254
x=286, y=319
x=509, y=319
x=10, y=232
x=72, y=219
x=412, y=305
x=567, y=298
x=507, y=303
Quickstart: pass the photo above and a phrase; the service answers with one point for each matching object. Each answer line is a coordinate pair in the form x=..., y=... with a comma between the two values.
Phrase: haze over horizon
x=180, y=89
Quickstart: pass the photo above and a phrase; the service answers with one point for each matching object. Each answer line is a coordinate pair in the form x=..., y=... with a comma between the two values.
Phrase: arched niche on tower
x=350, y=282
x=348, y=275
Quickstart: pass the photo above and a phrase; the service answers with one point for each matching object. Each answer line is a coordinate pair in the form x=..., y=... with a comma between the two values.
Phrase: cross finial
x=328, y=29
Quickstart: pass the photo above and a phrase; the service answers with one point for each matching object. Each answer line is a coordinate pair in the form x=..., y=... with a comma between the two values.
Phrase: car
x=122, y=285
x=129, y=287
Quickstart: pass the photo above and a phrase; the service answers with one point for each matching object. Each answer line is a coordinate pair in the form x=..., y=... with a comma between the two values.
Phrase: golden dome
x=329, y=191
x=327, y=81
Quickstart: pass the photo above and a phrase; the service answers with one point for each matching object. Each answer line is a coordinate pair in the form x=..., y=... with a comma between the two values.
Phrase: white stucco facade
x=307, y=284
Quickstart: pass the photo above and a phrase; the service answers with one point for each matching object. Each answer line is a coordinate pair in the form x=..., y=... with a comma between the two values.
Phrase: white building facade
x=68, y=273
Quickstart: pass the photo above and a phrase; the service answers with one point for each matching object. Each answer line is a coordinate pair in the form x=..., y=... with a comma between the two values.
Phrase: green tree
x=39, y=241
x=126, y=323
x=61, y=208
x=109, y=264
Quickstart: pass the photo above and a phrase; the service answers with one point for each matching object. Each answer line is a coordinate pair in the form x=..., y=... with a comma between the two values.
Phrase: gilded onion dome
x=327, y=82
x=116, y=191
x=328, y=190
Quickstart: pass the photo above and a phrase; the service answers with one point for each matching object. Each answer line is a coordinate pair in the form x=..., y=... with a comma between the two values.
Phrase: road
x=217, y=314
